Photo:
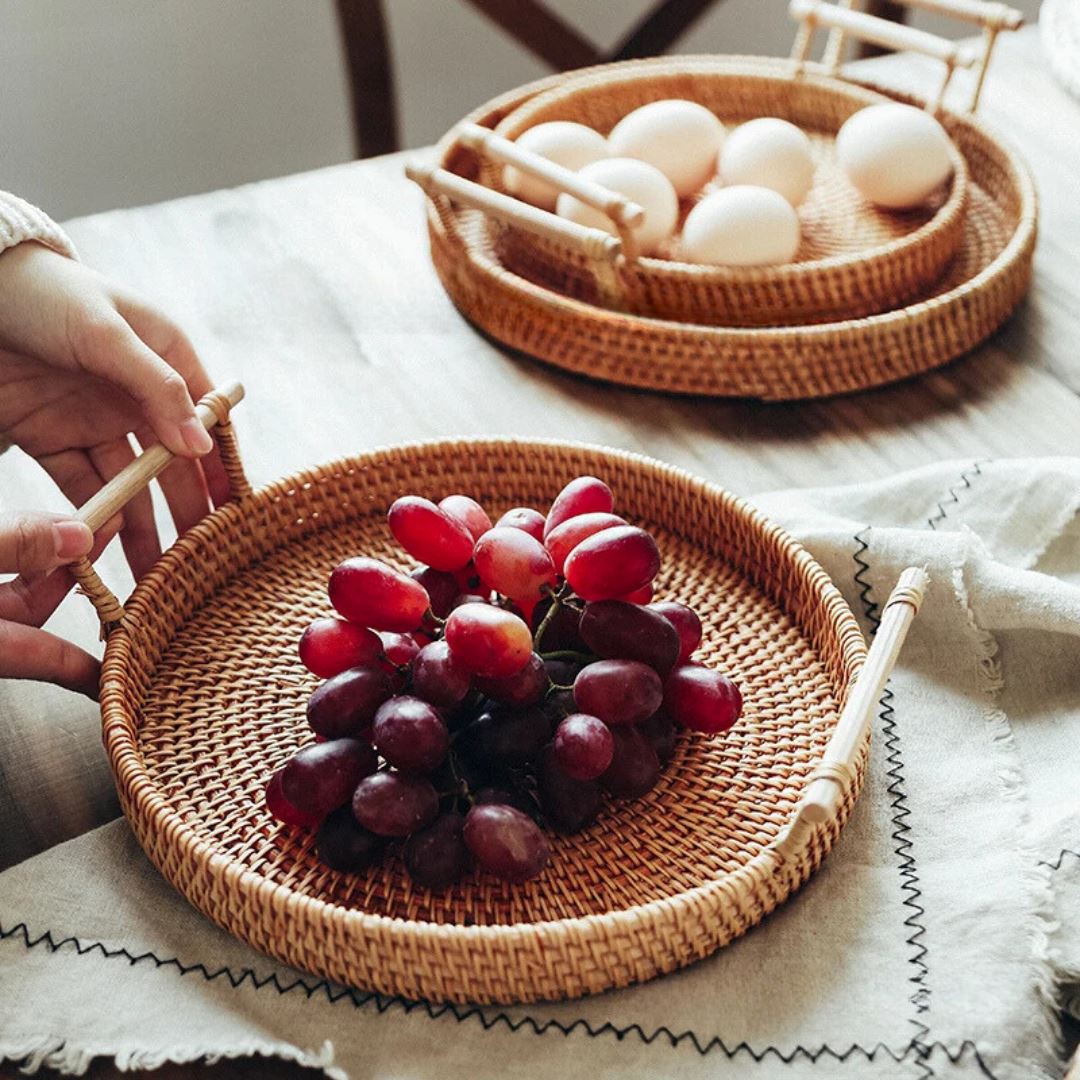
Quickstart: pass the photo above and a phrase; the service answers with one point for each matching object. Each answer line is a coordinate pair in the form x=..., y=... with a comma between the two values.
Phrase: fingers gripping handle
x=213, y=411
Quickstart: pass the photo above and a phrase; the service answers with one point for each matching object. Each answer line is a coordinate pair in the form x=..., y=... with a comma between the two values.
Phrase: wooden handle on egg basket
x=624, y=214
x=213, y=412
x=993, y=17
x=836, y=770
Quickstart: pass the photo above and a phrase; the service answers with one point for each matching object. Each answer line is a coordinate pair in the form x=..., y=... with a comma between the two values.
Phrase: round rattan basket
x=980, y=287
x=854, y=259
x=202, y=697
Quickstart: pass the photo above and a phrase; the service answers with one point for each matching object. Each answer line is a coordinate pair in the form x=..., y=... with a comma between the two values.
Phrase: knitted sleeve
x=20, y=221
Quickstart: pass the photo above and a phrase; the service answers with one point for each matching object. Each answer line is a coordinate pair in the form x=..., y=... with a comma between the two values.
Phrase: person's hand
x=84, y=365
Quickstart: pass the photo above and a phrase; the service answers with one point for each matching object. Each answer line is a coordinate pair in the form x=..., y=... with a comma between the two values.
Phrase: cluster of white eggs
x=665, y=151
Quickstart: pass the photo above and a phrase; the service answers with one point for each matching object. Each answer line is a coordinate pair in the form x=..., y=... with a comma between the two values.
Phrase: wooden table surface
x=317, y=291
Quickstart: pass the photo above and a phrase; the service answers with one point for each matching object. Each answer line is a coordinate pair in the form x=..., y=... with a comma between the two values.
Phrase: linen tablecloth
x=940, y=938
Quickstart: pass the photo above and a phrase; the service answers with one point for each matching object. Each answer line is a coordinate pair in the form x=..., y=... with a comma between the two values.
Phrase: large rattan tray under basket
x=514, y=291
x=203, y=696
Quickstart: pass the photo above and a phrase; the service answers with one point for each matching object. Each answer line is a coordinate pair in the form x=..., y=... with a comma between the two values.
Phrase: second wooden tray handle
x=836, y=770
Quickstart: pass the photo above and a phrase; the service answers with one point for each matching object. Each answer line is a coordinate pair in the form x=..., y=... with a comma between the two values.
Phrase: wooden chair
x=529, y=22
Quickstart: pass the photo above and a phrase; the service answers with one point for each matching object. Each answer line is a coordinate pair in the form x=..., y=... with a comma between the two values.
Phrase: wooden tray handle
x=624, y=214
x=836, y=770
x=843, y=20
x=213, y=410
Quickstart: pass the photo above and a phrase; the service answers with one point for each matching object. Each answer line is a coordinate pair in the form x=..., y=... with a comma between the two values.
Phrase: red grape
x=702, y=699
x=527, y=687
x=345, y=704
x=634, y=767
x=583, y=746
x=585, y=495
x=515, y=564
x=639, y=596
x=371, y=593
x=429, y=534
x=329, y=646
x=506, y=842
x=400, y=649
x=410, y=734
x=612, y=563
x=569, y=805
x=617, y=630
x=686, y=622
x=468, y=598
x=442, y=588
x=282, y=809
x=344, y=845
x=436, y=857
x=562, y=540
x=321, y=777
x=659, y=729
x=392, y=804
x=467, y=512
x=438, y=677
x=488, y=640
x=524, y=518
x=620, y=692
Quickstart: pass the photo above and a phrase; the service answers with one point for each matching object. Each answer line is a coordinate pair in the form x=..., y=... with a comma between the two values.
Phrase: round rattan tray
x=981, y=285
x=855, y=259
x=202, y=696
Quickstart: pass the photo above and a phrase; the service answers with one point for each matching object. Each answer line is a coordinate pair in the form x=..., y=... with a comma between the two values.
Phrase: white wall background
x=108, y=103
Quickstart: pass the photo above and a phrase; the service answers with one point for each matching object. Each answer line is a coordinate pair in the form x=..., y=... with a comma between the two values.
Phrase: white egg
x=741, y=226
x=680, y=138
x=639, y=182
x=771, y=153
x=570, y=145
x=895, y=155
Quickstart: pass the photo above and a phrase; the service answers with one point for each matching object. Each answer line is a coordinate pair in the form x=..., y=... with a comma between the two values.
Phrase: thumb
x=32, y=542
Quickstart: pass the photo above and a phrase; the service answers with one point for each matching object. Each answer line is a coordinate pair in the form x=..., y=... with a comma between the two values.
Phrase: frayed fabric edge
x=59, y=1055
x=1056, y=528
x=1035, y=880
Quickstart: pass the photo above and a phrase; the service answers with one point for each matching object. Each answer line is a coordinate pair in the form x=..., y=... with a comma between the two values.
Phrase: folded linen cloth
x=940, y=938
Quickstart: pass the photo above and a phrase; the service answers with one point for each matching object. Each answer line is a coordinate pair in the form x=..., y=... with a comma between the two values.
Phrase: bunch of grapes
x=504, y=685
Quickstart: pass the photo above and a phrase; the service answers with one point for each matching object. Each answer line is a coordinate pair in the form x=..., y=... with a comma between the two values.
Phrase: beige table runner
x=936, y=941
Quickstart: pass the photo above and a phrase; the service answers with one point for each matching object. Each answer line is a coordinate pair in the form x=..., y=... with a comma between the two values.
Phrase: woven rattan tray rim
x=150, y=809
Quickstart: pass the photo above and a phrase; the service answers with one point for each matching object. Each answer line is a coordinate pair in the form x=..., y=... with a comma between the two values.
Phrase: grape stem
x=558, y=598
x=568, y=654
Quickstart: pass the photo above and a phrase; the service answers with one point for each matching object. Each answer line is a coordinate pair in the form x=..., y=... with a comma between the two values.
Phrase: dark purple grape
x=562, y=672
x=583, y=746
x=660, y=730
x=438, y=678
x=617, y=630
x=436, y=857
x=321, y=777
x=506, y=796
x=441, y=586
x=345, y=705
x=634, y=768
x=393, y=804
x=343, y=844
x=410, y=734
x=505, y=737
x=569, y=805
x=527, y=687
x=562, y=633
x=618, y=691
x=702, y=699
x=686, y=622
x=506, y=842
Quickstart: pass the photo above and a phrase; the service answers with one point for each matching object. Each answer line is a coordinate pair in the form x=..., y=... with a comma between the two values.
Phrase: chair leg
x=370, y=70
x=884, y=9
